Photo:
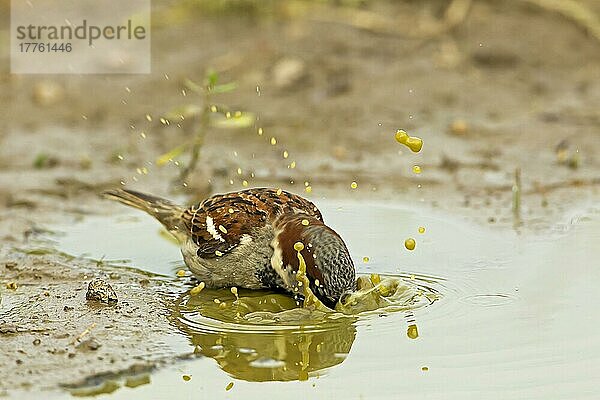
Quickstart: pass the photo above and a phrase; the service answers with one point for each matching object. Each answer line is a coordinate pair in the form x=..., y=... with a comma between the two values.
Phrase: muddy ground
x=512, y=86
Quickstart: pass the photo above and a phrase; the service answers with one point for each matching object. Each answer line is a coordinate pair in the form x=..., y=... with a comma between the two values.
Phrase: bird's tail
x=163, y=210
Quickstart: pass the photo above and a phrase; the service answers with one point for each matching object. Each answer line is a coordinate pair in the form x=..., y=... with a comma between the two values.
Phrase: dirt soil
x=512, y=86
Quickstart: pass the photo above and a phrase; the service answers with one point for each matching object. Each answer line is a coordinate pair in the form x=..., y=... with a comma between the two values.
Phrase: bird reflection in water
x=264, y=336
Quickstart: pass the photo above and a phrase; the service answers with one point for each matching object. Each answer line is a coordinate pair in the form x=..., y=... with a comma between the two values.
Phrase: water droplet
x=298, y=246
x=186, y=378
x=365, y=259
x=412, y=331
x=148, y=117
x=421, y=229
x=375, y=279
x=285, y=154
x=244, y=183
x=273, y=141
x=260, y=131
x=308, y=189
x=416, y=169
x=305, y=222
x=415, y=144
x=410, y=243
x=181, y=273
x=229, y=386
x=197, y=289
x=354, y=185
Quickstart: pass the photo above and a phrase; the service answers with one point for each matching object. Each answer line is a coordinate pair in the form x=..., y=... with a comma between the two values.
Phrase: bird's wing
x=277, y=202
x=219, y=223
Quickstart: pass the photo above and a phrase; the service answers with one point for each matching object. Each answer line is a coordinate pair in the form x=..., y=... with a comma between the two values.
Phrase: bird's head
x=329, y=267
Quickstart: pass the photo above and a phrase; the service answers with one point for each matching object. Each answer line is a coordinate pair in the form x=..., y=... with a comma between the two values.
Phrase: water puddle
x=475, y=313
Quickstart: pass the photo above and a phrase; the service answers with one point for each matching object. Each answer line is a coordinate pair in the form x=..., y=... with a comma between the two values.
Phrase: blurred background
x=315, y=91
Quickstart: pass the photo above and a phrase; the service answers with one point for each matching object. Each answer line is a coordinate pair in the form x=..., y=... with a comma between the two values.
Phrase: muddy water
x=496, y=316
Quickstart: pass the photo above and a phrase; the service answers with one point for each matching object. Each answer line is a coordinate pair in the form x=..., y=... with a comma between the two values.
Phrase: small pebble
x=459, y=127
x=99, y=290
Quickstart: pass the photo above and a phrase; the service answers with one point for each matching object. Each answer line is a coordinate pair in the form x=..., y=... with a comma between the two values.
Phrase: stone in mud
x=89, y=344
x=8, y=328
x=288, y=72
x=99, y=290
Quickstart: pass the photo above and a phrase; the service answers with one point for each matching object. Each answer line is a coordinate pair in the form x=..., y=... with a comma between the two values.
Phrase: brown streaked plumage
x=247, y=238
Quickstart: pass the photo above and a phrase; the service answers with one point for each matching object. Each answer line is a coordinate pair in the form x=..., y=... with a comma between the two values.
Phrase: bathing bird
x=247, y=239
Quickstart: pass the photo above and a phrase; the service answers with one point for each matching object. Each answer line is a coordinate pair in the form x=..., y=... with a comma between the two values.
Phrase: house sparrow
x=246, y=239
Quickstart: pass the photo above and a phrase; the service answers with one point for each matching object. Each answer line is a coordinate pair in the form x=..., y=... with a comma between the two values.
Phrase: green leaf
x=168, y=156
x=212, y=77
x=224, y=88
x=237, y=120
x=40, y=160
x=186, y=110
x=193, y=86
